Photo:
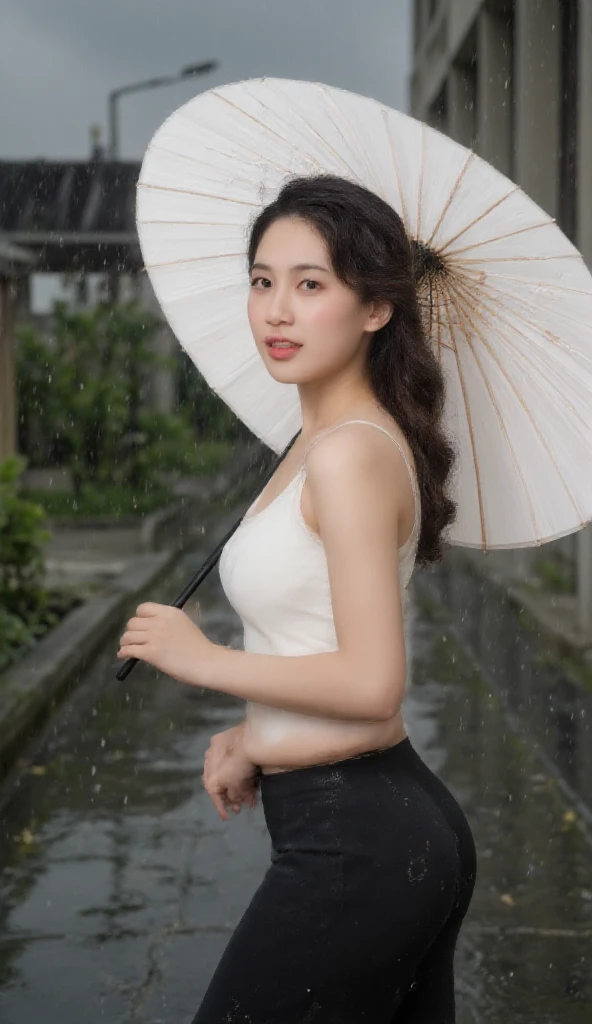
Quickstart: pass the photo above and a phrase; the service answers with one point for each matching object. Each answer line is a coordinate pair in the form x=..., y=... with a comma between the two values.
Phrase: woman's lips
x=281, y=351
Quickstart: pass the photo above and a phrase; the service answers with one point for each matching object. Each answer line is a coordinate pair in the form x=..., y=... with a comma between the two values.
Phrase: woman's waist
x=280, y=741
x=345, y=805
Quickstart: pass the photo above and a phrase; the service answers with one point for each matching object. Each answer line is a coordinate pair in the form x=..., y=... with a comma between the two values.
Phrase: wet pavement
x=120, y=885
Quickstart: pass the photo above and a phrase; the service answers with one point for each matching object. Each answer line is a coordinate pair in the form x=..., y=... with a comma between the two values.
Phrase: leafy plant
x=556, y=575
x=203, y=408
x=25, y=611
x=86, y=383
x=83, y=398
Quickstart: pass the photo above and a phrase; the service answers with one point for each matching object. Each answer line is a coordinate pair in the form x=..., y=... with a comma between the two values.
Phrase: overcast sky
x=60, y=58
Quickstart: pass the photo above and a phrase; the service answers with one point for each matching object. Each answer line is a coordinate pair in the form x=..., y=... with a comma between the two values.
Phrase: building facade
x=512, y=79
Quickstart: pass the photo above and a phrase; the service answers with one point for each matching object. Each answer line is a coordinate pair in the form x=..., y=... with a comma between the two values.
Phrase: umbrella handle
x=208, y=565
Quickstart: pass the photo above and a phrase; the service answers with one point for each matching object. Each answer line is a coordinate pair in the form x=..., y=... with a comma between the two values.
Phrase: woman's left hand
x=167, y=638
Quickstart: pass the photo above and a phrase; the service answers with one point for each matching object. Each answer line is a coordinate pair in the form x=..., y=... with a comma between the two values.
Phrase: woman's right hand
x=230, y=779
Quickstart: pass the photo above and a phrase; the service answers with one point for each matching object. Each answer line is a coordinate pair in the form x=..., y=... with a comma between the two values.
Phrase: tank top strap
x=413, y=478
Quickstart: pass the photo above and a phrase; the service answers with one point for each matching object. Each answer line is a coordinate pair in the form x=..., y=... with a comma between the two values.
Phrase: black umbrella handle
x=208, y=565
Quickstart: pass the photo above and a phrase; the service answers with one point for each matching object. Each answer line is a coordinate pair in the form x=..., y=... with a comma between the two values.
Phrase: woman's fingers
x=241, y=794
x=218, y=799
x=229, y=779
x=134, y=637
x=221, y=796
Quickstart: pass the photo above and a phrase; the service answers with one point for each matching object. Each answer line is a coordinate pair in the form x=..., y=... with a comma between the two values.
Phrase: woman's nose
x=278, y=309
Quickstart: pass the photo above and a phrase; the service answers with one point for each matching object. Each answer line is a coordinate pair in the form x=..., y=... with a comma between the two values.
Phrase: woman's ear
x=379, y=316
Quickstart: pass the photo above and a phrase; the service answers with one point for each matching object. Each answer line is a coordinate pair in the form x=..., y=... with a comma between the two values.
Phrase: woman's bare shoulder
x=352, y=427
x=344, y=462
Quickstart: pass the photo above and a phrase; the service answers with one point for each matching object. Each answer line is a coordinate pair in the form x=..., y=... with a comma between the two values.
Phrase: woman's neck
x=319, y=415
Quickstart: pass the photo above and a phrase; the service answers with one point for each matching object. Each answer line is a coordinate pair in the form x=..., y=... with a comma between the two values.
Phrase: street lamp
x=191, y=71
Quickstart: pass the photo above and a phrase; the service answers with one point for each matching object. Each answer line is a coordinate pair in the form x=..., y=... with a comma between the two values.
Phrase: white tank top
x=274, y=573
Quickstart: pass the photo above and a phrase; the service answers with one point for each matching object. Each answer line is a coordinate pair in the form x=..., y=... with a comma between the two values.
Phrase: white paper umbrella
x=510, y=306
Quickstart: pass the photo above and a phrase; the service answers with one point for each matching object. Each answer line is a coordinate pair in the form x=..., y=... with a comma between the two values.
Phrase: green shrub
x=24, y=603
x=208, y=414
x=556, y=574
x=86, y=386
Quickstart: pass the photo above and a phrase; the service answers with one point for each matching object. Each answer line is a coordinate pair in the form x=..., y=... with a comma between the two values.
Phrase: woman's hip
x=376, y=840
x=371, y=805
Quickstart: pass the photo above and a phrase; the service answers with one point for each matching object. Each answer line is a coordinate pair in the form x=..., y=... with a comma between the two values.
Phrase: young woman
x=373, y=862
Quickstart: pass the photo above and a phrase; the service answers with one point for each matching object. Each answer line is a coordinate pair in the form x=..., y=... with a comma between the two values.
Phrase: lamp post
x=191, y=71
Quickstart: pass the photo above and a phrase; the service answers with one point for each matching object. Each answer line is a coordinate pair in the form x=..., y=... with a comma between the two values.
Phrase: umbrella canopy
x=507, y=298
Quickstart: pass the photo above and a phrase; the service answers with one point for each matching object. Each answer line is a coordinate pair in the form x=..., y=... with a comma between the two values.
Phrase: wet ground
x=120, y=885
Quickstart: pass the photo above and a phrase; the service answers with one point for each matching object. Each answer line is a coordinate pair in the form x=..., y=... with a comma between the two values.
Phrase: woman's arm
x=312, y=684
x=356, y=489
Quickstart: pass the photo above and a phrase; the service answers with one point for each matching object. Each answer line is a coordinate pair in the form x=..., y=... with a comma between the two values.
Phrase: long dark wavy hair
x=371, y=254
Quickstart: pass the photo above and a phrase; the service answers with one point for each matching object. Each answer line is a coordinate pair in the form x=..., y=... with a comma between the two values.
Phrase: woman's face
x=295, y=294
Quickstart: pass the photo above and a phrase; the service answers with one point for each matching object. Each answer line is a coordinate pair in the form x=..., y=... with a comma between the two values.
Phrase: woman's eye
x=266, y=283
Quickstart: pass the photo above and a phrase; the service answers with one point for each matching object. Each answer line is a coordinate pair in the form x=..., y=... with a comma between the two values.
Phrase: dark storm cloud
x=60, y=58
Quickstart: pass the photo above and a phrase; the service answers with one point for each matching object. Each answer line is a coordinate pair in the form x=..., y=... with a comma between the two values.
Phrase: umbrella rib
x=192, y=192
x=530, y=306
x=528, y=413
x=470, y=426
x=502, y=315
x=451, y=196
x=499, y=238
x=421, y=177
x=354, y=136
x=404, y=215
x=266, y=127
x=481, y=217
x=193, y=259
x=532, y=284
x=533, y=421
x=210, y=149
x=522, y=259
x=282, y=138
x=463, y=316
x=240, y=144
x=323, y=140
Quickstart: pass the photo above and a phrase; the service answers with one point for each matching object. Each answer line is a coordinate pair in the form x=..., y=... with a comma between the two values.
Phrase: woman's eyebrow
x=299, y=266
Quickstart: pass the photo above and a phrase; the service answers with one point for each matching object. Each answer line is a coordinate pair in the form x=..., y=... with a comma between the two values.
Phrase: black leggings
x=372, y=870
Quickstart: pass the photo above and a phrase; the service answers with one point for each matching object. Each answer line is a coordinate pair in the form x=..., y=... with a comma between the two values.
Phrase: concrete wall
x=583, y=240
x=537, y=93
x=494, y=90
x=440, y=41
